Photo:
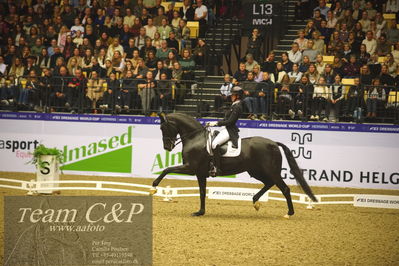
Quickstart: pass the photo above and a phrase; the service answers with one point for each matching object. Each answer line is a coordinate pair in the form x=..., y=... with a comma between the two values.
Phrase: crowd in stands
x=94, y=54
x=347, y=42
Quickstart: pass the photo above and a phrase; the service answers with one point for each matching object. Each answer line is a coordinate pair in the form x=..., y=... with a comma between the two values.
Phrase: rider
x=229, y=131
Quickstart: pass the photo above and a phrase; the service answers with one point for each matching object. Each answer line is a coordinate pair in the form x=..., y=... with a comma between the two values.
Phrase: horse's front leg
x=181, y=169
x=202, y=190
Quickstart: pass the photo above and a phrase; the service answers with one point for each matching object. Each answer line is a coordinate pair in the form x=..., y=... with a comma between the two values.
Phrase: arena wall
x=332, y=155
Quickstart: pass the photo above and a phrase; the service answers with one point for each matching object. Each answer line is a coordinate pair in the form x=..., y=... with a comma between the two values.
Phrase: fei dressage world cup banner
x=331, y=155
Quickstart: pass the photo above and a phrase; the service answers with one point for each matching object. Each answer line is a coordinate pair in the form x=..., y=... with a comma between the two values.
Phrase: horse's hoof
x=199, y=213
x=287, y=216
x=257, y=205
x=153, y=190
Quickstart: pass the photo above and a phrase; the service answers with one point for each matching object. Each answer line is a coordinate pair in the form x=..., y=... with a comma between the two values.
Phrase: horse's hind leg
x=286, y=192
x=255, y=199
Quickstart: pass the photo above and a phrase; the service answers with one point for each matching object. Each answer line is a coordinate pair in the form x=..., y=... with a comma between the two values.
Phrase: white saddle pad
x=231, y=152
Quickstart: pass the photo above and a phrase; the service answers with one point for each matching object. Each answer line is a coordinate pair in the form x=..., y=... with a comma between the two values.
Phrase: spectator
x=347, y=18
x=391, y=6
x=304, y=66
x=157, y=40
x=279, y=74
x=386, y=79
x=175, y=21
x=365, y=22
x=301, y=40
x=183, y=34
x=287, y=64
x=95, y=89
x=354, y=97
x=390, y=62
x=317, y=19
x=258, y=75
x=322, y=8
x=164, y=29
x=321, y=98
x=160, y=69
x=320, y=64
x=295, y=75
x=127, y=93
x=129, y=18
x=295, y=55
x=250, y=100
x=383, y=47
x=240, y=75
x=265, y=90
x=172, y=42
x=150, y=29
x=177, y=74
x=200, y=52
x=140, y=39
x=370, y=42
x=310, y=52
x=269, y=65
x=318, y=42
x=147, y=48
x=371, y=12
x=352, y=68
x=365, y=77
x=201, y=15
x=186, y=11
x=188, y=65
x=254, y=44
x=58, y=95
x=164, y=94
x=312, y=74
x=376, y=97
x=337, y=98
x=75, y=91
x=285, y=103
x=250, y=62
x=114, y=47
x=162, y=53
x=225, y=93
x=135, y=29
x=112, y=88
x=161, y=16
x=43, y=60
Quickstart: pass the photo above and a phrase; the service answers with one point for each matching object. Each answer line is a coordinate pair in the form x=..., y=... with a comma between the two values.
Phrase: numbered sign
x=260, y=14
x=49, y=172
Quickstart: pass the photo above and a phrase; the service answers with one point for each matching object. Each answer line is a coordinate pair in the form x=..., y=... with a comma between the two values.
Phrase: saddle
x=227, y=149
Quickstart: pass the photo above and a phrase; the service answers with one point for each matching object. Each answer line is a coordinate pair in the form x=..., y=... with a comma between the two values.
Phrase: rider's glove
x=212, y=124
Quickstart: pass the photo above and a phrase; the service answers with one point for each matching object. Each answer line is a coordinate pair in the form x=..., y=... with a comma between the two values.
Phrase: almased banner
x=335, y=155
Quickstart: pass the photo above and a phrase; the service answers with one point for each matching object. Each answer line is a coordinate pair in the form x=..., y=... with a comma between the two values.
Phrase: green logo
x=106, y=155
x=167, y=159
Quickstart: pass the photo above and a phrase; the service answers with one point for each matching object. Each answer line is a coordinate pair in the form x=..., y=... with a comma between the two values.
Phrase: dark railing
x=140, y=97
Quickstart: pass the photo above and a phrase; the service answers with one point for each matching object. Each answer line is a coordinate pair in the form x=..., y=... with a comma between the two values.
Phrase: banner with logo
x=333, y=155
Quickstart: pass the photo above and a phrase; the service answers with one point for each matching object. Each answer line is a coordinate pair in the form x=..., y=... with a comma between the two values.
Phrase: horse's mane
x=184, y=118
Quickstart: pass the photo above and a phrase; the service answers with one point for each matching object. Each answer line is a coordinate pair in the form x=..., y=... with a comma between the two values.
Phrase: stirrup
x=213, y=171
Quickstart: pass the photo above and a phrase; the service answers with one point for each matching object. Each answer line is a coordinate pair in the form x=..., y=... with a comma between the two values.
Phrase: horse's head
x=169, y=133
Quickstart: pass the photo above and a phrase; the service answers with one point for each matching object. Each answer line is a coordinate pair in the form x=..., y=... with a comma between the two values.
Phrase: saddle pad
x=231, y=152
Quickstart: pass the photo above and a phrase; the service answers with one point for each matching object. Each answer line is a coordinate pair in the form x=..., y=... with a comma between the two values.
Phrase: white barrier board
x=132, y=147
x=376, y=201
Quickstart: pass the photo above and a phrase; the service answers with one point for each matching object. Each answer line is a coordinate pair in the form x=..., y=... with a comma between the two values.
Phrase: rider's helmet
x=236, y=90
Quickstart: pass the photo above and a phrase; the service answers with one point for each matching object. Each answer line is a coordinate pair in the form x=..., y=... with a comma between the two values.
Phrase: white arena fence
x=228, y=193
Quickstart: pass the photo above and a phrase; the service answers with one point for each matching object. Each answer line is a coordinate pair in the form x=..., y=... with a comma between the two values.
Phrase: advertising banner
x=332, y=155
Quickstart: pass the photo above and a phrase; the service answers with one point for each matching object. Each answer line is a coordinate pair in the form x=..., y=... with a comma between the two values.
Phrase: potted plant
x=47, y=162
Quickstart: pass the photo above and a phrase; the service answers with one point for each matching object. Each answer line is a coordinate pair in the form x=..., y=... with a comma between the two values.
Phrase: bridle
x=182, y=137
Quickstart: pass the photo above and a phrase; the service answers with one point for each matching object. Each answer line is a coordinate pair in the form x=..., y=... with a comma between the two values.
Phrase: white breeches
x=221, y=138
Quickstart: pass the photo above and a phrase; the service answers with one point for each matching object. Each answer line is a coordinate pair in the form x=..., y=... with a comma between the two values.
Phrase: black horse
x=260, y=157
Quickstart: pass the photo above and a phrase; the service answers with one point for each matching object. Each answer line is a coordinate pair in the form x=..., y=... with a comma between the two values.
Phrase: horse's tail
x=297, y=172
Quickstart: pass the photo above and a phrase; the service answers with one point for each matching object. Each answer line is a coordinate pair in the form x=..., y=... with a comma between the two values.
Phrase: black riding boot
x=215, y=162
